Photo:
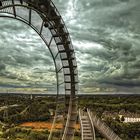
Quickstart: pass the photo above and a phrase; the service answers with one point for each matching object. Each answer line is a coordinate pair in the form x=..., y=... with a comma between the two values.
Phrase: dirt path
x=44, y=125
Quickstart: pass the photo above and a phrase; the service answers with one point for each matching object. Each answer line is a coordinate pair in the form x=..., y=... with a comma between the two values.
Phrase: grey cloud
x=113, y=24
x=25, y=59
x=2, y=66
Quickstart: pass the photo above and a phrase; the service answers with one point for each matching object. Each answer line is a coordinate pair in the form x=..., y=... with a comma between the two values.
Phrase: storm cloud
x=106, y=38
x=24, y=59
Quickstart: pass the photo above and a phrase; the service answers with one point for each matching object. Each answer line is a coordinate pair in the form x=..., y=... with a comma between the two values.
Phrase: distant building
x=131, y=120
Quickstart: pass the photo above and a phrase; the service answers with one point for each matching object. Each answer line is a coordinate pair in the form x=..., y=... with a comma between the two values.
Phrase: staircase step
x=87, y=131
x=65, y=51
x=63, y=43
x=88, y=128
x=55, y=18
x=84, y=117
x=62, y=35
x=85, y=121
x=59, y=26
x=87, y=135
x=67, y=58
x=88, y=138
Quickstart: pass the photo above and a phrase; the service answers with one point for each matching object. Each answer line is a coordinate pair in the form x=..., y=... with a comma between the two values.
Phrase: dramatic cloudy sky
x=105, y=35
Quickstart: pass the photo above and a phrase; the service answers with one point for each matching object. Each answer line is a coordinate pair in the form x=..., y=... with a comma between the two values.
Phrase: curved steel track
x=44, y=18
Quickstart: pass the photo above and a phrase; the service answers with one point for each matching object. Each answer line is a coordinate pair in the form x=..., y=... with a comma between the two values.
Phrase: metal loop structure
x=44, y=18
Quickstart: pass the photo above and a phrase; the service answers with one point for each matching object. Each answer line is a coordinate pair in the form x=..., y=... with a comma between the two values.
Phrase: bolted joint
x=46, y=24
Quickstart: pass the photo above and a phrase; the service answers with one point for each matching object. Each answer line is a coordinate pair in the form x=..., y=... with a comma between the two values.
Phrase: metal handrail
x=107, y=131
x=81, y=123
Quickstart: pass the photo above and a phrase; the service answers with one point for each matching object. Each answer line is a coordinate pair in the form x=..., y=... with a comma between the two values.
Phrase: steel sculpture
x=44, y=18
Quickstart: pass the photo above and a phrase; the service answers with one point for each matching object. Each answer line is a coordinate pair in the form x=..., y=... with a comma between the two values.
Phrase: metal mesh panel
x=22, y=12
x=65, y=63
x=7, y=10
x=59, y=65
x=57, y=39
x=61, y=47
x=63, y=55
x=54, y=49
x=67, y=78
x=47, y=35
x=53, y=31
x=61, y=89
x=68, y=85
x=68, y=92
x=37, y=21
x=10, y=10
x=61, y=77
x=66, y=70
x=8, y=2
